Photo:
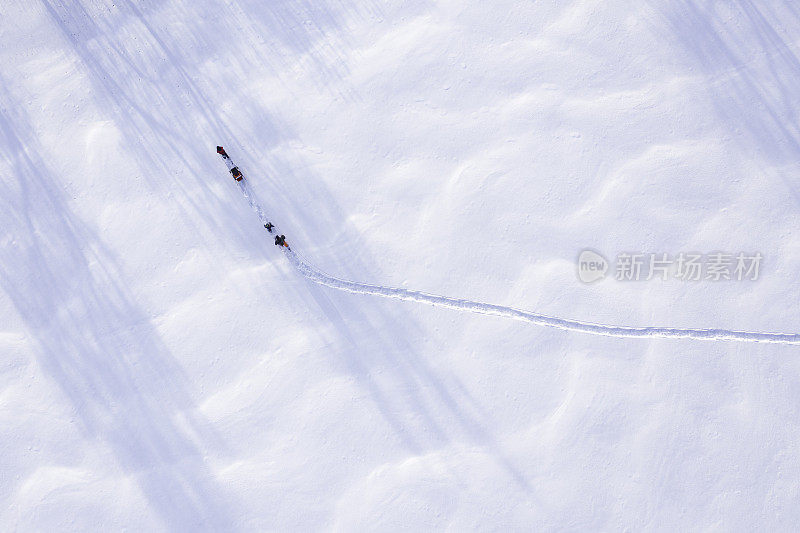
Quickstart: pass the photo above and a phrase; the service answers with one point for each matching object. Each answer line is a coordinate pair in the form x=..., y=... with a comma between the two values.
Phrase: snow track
x=317, y=276
x=322, y=278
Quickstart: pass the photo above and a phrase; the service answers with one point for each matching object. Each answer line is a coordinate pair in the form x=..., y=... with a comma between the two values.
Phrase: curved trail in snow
x=322, y=278
x=317, y=276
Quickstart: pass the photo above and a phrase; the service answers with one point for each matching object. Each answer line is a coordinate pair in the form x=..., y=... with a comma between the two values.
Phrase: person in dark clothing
x=268, y=226
x=280, y=240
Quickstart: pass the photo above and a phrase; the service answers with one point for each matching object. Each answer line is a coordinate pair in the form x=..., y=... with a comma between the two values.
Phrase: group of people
x=280, y=240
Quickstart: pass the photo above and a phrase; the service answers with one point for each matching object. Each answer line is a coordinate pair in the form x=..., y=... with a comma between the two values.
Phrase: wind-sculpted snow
x=317, y=276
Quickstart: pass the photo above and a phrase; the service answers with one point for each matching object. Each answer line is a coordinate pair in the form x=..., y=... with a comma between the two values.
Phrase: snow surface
x=165, y=367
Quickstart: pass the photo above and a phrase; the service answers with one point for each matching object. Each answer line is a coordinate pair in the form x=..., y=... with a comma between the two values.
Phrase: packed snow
x=165, y=366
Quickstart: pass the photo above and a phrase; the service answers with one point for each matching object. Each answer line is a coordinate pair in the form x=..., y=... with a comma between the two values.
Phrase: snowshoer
x=235, y=172
x=268, y=226
x=280, y=240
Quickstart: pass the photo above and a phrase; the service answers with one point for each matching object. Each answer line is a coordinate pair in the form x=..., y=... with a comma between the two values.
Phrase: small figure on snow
x=268, y=226
x=280, y=240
